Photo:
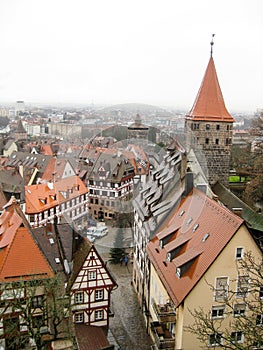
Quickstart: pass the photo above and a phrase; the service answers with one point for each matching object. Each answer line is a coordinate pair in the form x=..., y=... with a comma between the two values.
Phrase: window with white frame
x=218, y=311
x=98, y=315
x=221, y=288
x=259, y=320
x=79, y=297
x=237, y=336
x=92, y=275
x=239, y=309
x=239, y=253
x=99, y=294
x=215, y=339
x=79, y=317
x=242, y=286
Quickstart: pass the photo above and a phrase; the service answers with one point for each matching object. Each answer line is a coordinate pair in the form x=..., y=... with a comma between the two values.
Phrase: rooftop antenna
x=212, y=43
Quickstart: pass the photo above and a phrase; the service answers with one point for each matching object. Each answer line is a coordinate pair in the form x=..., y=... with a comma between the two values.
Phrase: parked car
x=91, y=230
x=101, y=231
x=90, y=237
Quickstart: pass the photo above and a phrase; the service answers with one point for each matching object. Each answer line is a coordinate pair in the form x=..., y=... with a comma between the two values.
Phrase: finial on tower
x=212, y=43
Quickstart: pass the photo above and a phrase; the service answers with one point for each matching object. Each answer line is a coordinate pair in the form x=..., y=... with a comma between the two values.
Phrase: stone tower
x=137, y=130
x=208, y=126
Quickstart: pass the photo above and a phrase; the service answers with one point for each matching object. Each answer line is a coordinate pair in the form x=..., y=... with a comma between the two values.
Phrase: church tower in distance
x=209, y=126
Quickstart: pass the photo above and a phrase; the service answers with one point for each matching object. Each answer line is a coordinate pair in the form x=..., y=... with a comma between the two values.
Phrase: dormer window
x=178, y=272
x=43, y=200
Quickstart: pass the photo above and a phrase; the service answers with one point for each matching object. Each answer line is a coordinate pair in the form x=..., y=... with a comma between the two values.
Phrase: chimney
x=189, y=183
x=238, y=211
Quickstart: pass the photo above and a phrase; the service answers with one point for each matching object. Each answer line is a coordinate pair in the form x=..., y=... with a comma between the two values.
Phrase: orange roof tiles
x=209, y=103
x=47, y=150
x=45, y=196
x=194, y=246
x=20, y=256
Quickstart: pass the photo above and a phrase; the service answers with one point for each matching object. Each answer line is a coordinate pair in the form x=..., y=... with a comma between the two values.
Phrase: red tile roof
x=193, y=247
x=20, y=256
x=45, y=196
x=91, y=337
x=209, y=104
x=55, y=169
x=47, y=150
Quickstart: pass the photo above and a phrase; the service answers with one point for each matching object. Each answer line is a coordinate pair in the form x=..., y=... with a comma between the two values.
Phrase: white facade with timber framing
x=90, y=289
x=66, y=200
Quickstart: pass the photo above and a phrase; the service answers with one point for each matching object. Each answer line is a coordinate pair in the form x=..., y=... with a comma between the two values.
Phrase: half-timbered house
x=66, y=200
x=90, y=287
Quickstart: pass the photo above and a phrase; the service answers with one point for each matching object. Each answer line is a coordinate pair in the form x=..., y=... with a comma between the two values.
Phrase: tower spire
x=212, y=43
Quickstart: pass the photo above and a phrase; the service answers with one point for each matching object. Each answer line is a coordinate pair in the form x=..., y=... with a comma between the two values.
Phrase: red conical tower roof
x=209, y=104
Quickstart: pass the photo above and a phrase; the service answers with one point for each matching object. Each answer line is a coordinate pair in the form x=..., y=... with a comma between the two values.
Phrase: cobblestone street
x=127, y=325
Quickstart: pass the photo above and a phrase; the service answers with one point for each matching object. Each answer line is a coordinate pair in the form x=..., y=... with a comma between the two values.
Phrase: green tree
x=247, y=325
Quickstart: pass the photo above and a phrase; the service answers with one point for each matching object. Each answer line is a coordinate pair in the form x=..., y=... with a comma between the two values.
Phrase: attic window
x=165, y=264
x=189, y=221
x=43, y=200
x=157, y=251
x=51, y=241
x=205, y=237
x=57, y=260
x=181, y=213
x=195, y=227
x=53, y=197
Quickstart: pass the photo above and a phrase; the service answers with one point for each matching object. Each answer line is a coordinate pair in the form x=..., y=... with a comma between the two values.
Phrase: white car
x=100, y=232
x=90, y=237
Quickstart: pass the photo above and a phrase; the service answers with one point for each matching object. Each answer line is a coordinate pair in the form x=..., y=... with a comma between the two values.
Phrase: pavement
x=127, y=329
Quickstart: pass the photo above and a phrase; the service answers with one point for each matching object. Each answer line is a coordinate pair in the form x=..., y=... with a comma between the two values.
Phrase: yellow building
x=195, y=263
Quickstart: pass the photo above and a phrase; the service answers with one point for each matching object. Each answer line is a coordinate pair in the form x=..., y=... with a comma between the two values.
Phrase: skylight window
x=189, y=221
x=205, y=237
x=51, y=241
x=195, y=227
x=181, y=213
x=57, y=260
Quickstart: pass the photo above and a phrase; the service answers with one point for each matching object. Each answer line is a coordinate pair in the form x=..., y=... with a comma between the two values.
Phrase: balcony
x=162, y=337
x=165, y=313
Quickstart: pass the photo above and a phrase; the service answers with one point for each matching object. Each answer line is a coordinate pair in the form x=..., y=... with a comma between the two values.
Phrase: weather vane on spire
x=212, y=43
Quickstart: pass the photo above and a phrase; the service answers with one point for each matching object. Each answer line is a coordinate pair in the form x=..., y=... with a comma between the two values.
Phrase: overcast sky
x=118, y=51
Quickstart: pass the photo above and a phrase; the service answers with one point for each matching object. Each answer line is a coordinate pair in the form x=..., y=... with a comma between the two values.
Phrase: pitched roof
x=189, y=242
x=79, y=259
x=45, y=196
x=91, y=337
x=56, y=243
x=20, y=256
x=253, y=219
x=20, y=128
x=39, y=161
x=209, y=104
x=55, y=169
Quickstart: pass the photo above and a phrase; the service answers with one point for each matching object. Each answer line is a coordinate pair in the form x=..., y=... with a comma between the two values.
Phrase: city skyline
x=111, y=52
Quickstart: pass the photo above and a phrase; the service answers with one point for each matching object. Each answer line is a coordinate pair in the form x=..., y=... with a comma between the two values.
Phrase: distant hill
x=135, y=108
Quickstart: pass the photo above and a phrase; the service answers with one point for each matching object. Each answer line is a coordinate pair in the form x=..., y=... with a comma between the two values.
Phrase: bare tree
x=34, y=312
x=240, y=325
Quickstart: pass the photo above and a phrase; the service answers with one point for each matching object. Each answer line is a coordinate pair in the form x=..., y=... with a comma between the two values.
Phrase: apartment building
x=195, y=263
